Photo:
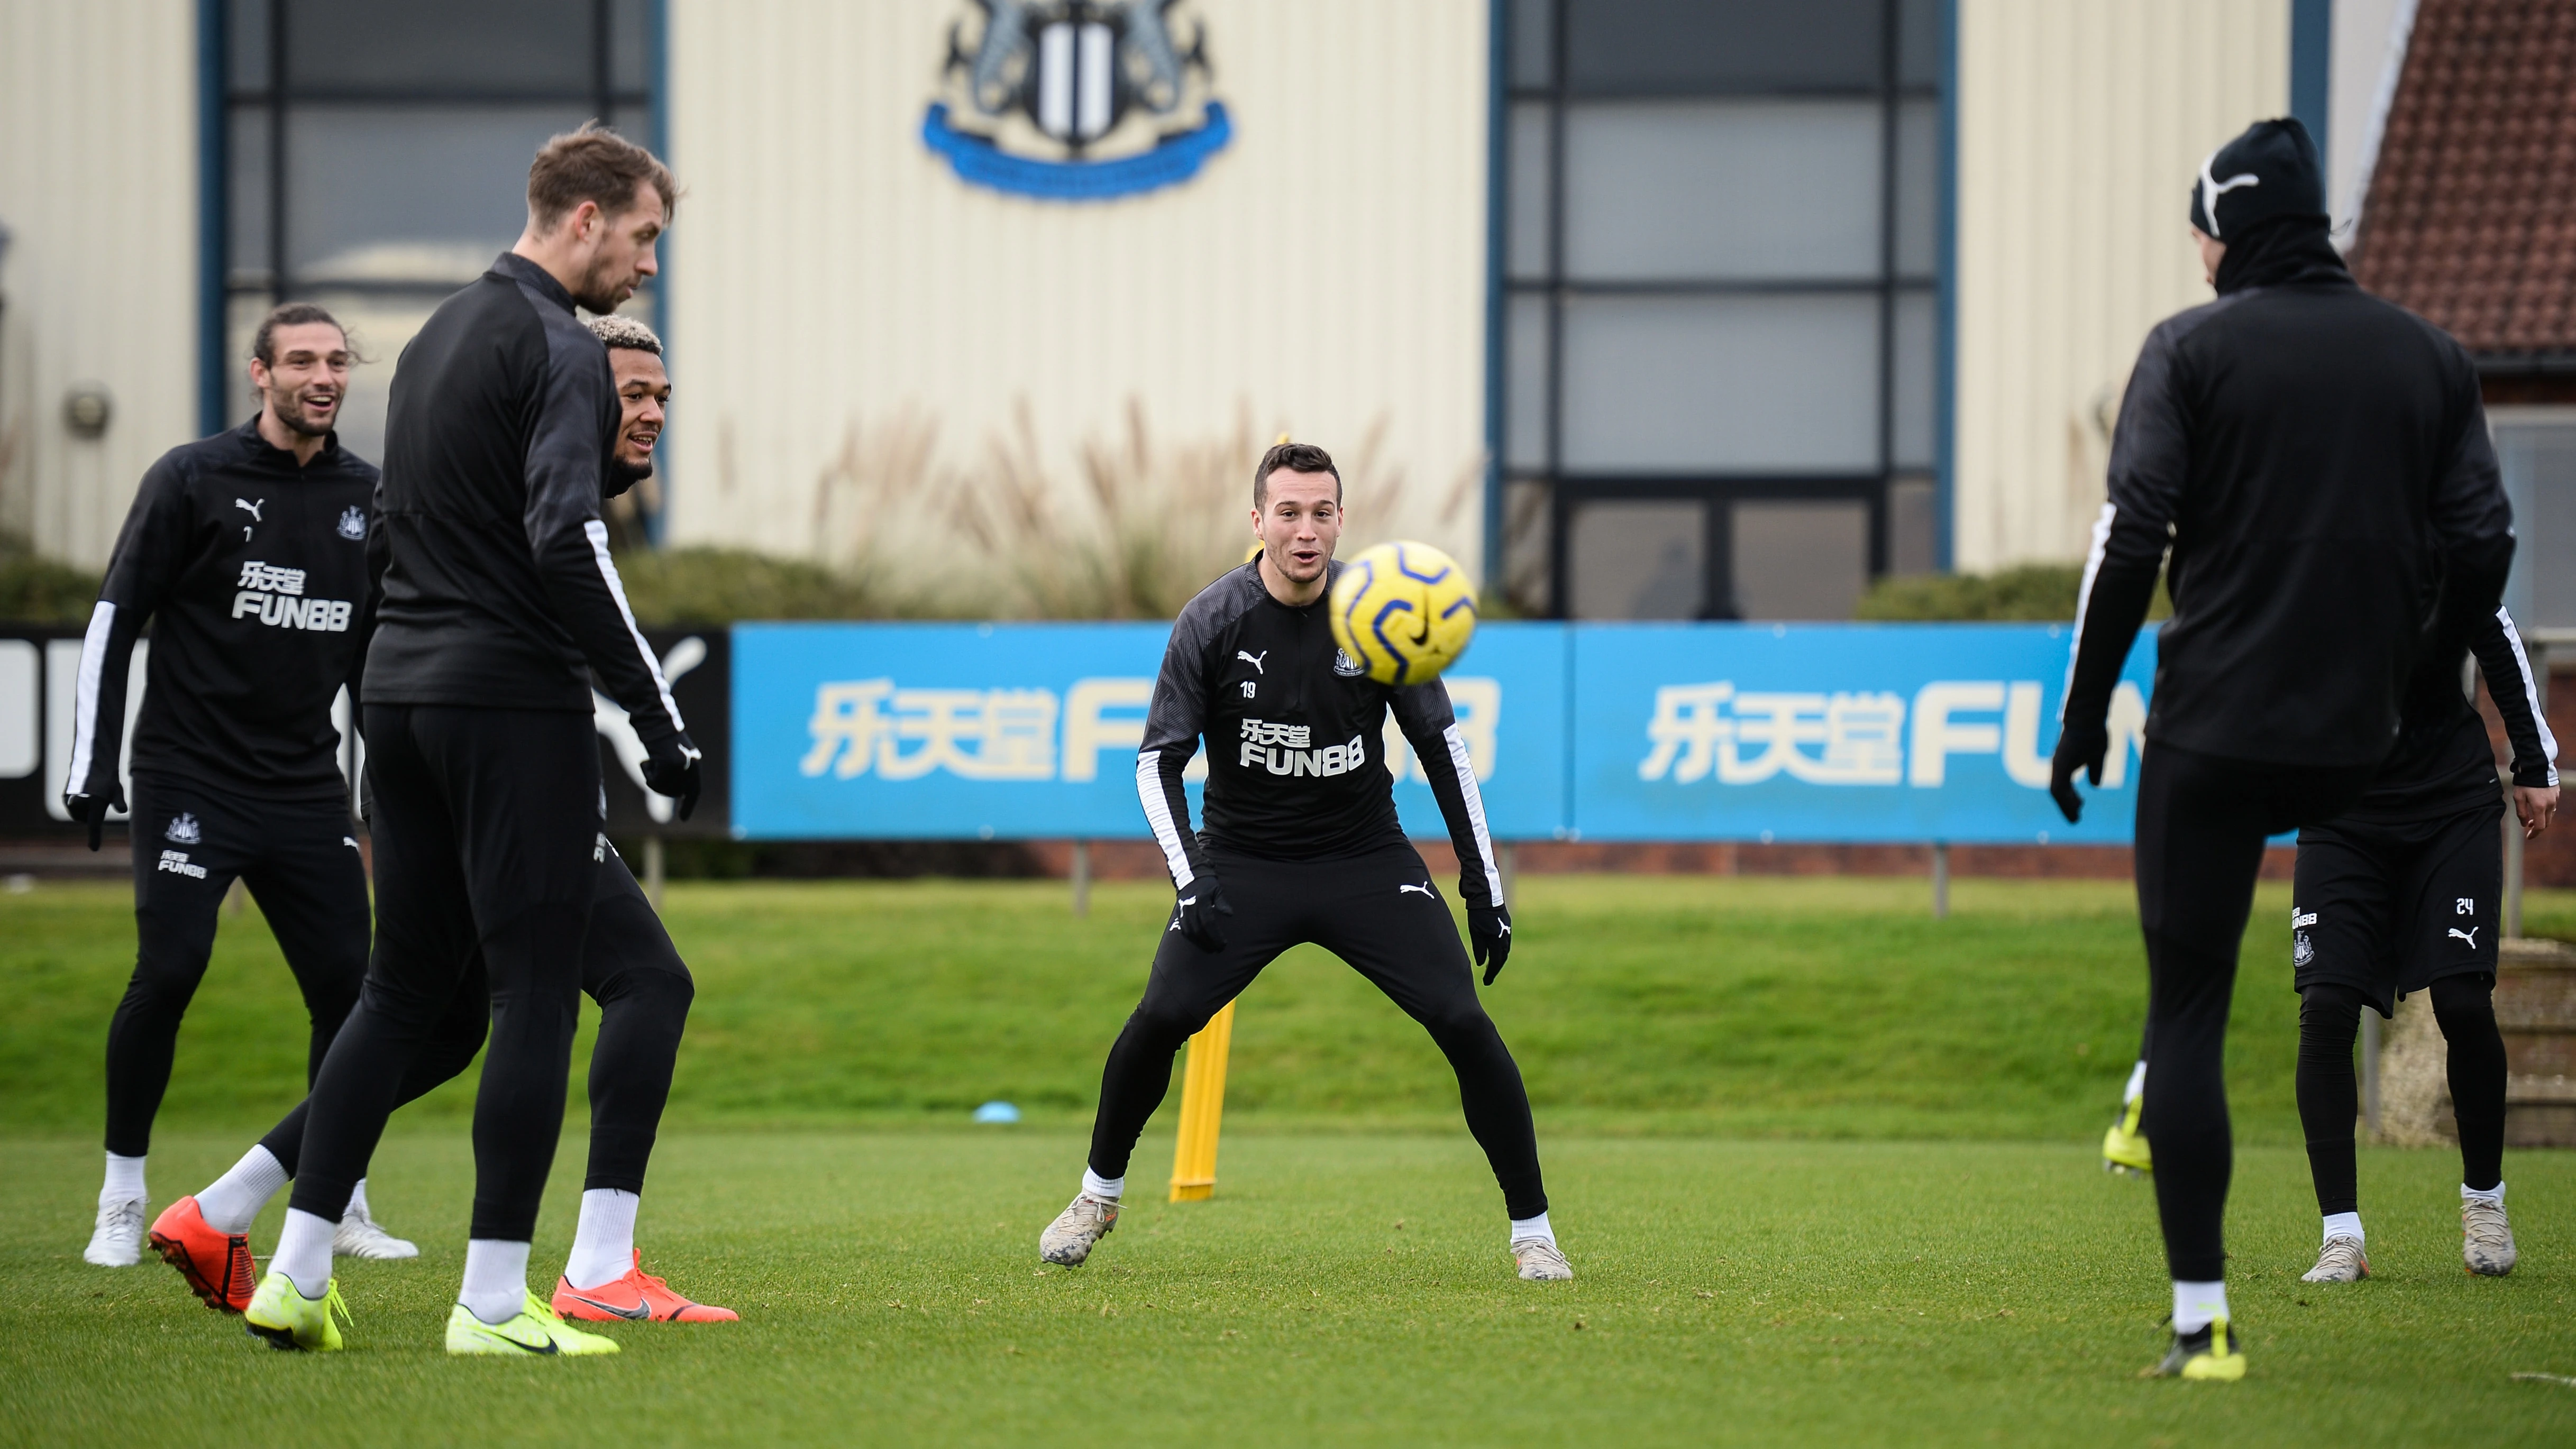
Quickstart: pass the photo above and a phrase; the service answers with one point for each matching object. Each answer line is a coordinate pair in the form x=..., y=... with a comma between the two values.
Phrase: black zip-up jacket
x=253, y=574
x=2443, y=764
x=2318, y=461
x=498, y=586
x=1296, y=747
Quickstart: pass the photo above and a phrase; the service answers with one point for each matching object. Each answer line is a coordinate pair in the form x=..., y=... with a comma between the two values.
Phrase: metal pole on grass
x=653, y=871
x=1940, y=880
x=1082, y=877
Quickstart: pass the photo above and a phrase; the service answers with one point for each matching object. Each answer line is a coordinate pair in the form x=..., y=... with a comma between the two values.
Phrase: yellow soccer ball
x=1402, y=612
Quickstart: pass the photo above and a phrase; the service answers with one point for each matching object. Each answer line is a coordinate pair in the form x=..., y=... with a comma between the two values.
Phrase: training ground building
x=1683, y=309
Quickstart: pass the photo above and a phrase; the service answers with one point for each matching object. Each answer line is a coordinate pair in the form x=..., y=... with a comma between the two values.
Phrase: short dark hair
x=1296, y=458
x=594, y=164
x=263, y=343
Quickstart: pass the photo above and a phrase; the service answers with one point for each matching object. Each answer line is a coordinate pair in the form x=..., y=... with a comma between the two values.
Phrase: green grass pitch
x=1825, y=1167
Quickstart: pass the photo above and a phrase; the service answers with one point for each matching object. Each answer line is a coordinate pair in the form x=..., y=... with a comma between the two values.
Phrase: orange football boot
x=216, y=1265
x=638, y=1297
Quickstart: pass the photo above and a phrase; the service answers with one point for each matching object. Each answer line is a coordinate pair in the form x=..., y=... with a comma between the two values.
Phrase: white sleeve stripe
x=1475, y=798
x=2083, y=597
x=1158, y=813
x=597, y=533
x=93, y=665
x=2531, y=695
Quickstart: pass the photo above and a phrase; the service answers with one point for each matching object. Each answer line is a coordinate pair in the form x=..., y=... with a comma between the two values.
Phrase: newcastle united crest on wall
x=1077, y=100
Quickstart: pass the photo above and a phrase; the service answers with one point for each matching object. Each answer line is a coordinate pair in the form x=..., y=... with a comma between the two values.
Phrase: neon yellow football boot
x=2124, y=1147
x=535, y=1331
x=2213, y=1353
x=280, y=1313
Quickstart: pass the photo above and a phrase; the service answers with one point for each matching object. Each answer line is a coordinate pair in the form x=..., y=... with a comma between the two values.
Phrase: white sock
x=124, y=1180
x=2493, y=1194
x=1524, y=1229
x=2344, y=1225
x=2137, y=1084
x=1106, y=1188
x=357, y=1200
x=233, y=1202
x=2195, y=1304
x=304, y=1252
x=603, y=1247
x=496, y=1280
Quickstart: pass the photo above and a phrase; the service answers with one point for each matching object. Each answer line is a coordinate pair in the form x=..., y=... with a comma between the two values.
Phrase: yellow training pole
x=1202, y=1108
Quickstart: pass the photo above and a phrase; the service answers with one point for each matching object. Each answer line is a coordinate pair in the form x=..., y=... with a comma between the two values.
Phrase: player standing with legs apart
x=250, y=550
x=1302, y=845
x=2318, y=461
x=629, y=967
x=2399, y=894
x=497, y=587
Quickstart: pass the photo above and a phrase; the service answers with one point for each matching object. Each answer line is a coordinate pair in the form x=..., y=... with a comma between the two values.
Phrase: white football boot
x=361, y=1236
x=117, y=1241
x=1070, y=1238
x=1541, y=1262
x=2486, y=1239
x=2339, y=1261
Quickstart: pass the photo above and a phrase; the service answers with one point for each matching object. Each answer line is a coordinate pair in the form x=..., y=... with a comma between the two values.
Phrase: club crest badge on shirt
x=1345, y=666
x=353, y=523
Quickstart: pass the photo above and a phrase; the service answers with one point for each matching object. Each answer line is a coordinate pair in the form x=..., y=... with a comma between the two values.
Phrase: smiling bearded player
x=1302, y=845
x=629, y=967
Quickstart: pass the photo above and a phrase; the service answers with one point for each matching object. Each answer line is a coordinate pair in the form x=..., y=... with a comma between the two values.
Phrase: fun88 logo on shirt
x=275, y=595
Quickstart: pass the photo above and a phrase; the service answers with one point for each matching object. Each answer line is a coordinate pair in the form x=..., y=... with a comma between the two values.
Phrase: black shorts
x=2389, y=907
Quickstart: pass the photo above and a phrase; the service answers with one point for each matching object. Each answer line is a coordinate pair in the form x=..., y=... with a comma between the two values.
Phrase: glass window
x=1721, y=231
x=630, y=46
x=1918, y=188
x=247, y=44
x=1637, y=559
x=1526, y=363
x=2537, y=449
x=1628, y=47
x=1533, y=205
x=248, y=200
x=1913, y=350
x=487, y=47
x=409, y=193
x=1533, y=42
x=1686, y=190
x=1797, y=560
x=1724, y=384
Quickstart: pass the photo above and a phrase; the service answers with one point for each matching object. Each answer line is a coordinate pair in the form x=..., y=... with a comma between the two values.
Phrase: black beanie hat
x=2269, y=171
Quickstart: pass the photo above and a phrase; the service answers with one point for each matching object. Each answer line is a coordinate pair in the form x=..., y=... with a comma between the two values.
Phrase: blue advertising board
x=1029, y=731
x=1816, y=732
x=1836, y=732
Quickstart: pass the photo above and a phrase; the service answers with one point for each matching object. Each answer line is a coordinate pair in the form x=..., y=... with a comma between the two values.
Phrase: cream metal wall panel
x=98, y=187
x=2081, y=125
x=830, y=273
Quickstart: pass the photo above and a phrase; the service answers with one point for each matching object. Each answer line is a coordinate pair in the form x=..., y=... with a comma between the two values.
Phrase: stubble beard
x=289, y=409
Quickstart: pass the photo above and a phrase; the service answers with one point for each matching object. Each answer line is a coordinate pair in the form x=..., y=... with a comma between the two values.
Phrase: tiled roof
x=2471, y=217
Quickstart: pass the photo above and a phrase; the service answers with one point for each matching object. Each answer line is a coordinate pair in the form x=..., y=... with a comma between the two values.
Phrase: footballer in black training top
x=247, y=553
x=1302, y=845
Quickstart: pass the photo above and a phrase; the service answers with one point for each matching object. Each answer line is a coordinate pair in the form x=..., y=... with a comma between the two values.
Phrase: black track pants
x=631, y=969
x=1380, y=913
x=299, y=859
x=2202, y=822
x=2329, y=1019
x=487, y=837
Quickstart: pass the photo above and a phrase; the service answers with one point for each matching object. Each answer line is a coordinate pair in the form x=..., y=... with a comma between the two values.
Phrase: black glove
x=1489, y=930
x=671, y=768
x=91, y=810
x=2079, y=747
x=1194, y=915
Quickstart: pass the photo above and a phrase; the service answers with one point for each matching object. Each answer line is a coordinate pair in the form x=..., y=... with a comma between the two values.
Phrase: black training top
x=498, y=586
x=252, y=571
x=2318, y=461
x=1296, y=751
x=2443, y=764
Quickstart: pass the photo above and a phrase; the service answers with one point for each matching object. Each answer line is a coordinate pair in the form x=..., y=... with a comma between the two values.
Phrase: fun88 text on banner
x=1030, y=731
x=1850, y=733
